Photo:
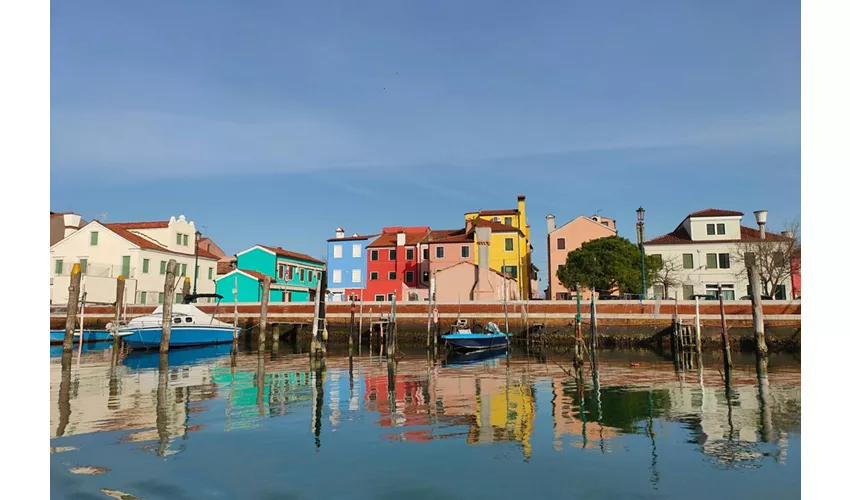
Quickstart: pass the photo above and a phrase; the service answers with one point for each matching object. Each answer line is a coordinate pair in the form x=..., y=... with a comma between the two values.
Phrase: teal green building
x=294, y=276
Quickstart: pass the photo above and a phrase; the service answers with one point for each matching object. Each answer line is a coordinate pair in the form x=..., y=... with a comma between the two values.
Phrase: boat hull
x=58, y=336
x=149, y=338
x=476, y=341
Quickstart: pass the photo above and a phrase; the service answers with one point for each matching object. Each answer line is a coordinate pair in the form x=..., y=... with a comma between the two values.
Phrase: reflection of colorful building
x=503, y=415
x=281, y=391
x=410, y=409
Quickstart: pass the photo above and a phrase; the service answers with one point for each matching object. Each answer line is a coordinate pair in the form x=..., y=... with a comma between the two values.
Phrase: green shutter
x=146, y=264
x=509, y=244
x=84, y=264
x=179, y=239
x=144, y=297
x=183, y=270
x=58, y=269
x=125, y=266
x=162, y=267
x=159, y=298
x=209, y=274
x=94, y=238
x=179, y=298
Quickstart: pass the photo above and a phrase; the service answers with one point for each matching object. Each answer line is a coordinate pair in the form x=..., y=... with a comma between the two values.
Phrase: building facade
x=138, y=251
x=294, y=276
x=347, y=269
x=702, y=250
x=560, y=241
x=62, y=224
x=209, y=245
x=397, y=265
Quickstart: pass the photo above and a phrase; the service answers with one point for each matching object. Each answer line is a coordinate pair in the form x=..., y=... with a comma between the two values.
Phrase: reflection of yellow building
x=503, y=414
x=510, y=242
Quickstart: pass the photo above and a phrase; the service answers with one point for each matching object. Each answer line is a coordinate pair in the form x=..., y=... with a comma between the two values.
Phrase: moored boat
x=466, y=340
x=58, y=336
x=189, y=327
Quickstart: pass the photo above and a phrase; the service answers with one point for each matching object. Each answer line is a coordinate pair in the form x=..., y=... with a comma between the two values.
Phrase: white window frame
x=438, y=251
x=382, y=298
x=356, y=275
x=376, y=275
x=337, y=275
x=357, y=250
x=337, y=251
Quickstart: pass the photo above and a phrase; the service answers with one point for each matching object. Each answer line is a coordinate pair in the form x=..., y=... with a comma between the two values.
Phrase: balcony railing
x=96, y=270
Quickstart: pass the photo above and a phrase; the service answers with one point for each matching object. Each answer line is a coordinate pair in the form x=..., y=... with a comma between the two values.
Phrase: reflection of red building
x=394, y=263
x=795, y=275
x=410, y=407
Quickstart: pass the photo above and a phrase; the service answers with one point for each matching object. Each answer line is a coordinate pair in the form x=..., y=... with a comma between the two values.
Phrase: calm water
x=245, y=426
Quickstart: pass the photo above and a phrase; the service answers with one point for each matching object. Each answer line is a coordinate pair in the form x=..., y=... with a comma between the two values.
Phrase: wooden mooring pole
x=727, y=358
x=755, y=297
x=187, y=286
x=167, y=306
x=391, y=335
x=71, y=314
x=119, y=302
x=235, y=310
x=264, y=311
x=351, y=331
x=578, y=357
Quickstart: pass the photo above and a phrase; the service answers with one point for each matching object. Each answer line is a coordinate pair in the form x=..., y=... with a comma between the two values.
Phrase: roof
x=714, y=212
x=292, y=255
x=391, y=239
x=680, y=235
x=512, y=211
x=224, y=267
x=256, y=274
x=150, y=244
x=598, y=223
x=497, y=227
x=354, y=238
x=452, y=236
x=160, y=224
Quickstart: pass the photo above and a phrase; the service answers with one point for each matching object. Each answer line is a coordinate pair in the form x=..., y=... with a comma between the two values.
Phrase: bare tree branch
x=773, y=257
x=667, y=275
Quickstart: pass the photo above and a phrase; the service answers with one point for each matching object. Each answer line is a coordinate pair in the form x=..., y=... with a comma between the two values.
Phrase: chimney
x=340, y=232
x=550, y=224
x=401, y=239
x=469, y=225
x=482, y=238
x=72, y=223
x=788, y=234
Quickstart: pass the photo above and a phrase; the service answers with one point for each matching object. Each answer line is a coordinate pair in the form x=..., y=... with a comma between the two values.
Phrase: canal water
x=216, y=425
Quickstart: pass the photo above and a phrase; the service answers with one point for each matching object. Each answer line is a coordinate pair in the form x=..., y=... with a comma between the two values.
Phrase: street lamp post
x=640, y=214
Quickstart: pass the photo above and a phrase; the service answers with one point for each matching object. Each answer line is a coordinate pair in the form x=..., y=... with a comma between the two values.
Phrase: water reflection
x=487, y=402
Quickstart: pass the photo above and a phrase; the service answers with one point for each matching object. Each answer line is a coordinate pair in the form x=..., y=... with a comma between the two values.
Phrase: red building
x=795, y=275
x=397, y=264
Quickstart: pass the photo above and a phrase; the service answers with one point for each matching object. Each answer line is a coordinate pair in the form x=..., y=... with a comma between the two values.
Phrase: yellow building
x=510, y=243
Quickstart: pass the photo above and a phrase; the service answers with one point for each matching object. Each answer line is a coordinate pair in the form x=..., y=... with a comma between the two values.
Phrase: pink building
x=562, y=240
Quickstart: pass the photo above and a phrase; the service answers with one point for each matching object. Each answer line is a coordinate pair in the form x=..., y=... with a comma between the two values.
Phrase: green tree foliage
x=607, y=264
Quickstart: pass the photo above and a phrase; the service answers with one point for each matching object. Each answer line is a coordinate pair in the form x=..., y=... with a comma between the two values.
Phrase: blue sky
x=275, y=122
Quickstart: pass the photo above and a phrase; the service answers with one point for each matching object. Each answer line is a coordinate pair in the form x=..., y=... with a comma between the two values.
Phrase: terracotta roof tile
x=499, y=212
x=680, y=235
x=224, y=267
x=292, y=255
x=256, y=274
x=714, y=212
x=391, y=239
x=355, y=238
x=497, y=227
x=149, y=244
x=160, y=224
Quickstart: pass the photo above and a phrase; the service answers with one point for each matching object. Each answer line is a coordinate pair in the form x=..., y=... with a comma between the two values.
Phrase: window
x=605, y=223
x=426, y=276
x=721, y=229
x=289, y=271
x=390, y=296
x=178, y=298
x=310, y=276
x=337, y=276
x=724, y=261
x=711, y=261
x=562, y=243
x=208, y=247
x=373, y=255
x=687, y=261
x=185, y=240
x=183, y=270
x=379, y=298
x=509, y=244
x=509, y=221
x=441, y=252
x=688, y=290
x=781, y=294
x=125, y=266
x=337, y=251
x=58, y=269
x=561, y=296
x=84, y=264
x=357, y=250
x=709, y=229
x=93, y=239
x=728, y=291
x=159, y=298
x=408, y=277
x=209, y=273
x=464, y=252
x=509, y=271
x=426, y=254
x=146, y=265
x=391, y=275
x=179, y=239
x=356, y=275
x=778, y=260
x=561, y=266
x=162, y=267
x=301, y=274
x=408, y=254
x=144, y=298
x=373, y=275
x=658, y=291
x=392, y=254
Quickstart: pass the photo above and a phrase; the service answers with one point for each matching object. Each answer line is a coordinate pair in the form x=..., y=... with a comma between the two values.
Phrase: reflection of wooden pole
x=119, y=301
x=162, y=401
x=235, y=309
x=727, y=361
x=351, y=331
x=167, y=305
x=261, y=381
x=71, y=313
x=64, y=395
x=264, y=311
x=318, y=369
x=765, y=411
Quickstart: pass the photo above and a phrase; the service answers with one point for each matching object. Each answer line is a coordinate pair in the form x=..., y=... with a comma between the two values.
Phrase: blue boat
x=189, y=327
x=146, y=360
x=58, y=336
x=465, y=340
x=56, y=350
x=480, y=357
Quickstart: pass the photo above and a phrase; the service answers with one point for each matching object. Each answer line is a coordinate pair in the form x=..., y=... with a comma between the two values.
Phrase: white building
x=704, y=248
x=139, y=251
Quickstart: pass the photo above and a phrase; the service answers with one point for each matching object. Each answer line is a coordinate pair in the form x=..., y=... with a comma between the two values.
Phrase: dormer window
x=721, y=229
x=709, y=229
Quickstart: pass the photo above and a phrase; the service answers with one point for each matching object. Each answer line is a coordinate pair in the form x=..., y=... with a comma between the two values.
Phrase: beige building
x=62, y=224
x=138, y=251
x=563, y=240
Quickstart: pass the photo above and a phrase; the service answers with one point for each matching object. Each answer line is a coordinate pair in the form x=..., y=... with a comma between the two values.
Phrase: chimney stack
x=550, y=224
x=340, y=232
x=482, y=271
x=401, y=239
